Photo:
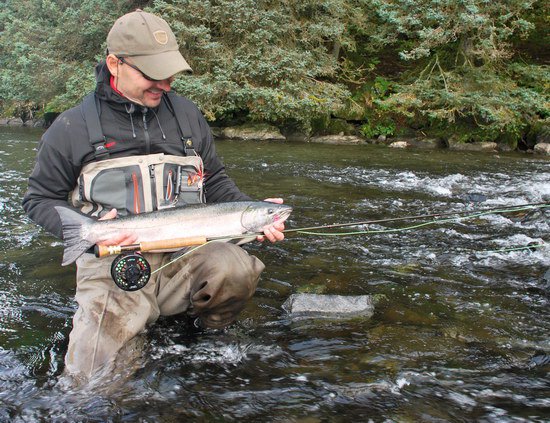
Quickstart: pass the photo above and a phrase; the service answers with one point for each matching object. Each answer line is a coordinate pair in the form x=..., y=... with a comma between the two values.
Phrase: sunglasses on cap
x=148, y=78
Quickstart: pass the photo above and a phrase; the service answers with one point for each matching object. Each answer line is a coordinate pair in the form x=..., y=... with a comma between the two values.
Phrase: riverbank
x=18, y=122
x=263, y=131
x=273, y=133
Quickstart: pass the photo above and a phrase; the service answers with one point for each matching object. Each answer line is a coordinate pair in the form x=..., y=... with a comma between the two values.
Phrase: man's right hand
x=122, y=238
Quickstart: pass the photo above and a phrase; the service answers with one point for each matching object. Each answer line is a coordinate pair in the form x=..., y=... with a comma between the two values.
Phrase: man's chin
x=152, y=101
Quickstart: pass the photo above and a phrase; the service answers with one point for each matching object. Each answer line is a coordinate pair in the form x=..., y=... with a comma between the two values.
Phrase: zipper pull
x=178, y=182
x=152, y=171
x=144, y=122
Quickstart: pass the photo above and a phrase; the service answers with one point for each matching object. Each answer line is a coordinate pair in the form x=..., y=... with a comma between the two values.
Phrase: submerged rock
x=473, y=197
x=540, y=359
x=418, y=143
x=546, y=280
x=336, y=306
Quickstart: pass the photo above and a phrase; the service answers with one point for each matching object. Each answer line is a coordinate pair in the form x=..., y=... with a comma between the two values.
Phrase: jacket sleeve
x=219, y=187
x=50, y=183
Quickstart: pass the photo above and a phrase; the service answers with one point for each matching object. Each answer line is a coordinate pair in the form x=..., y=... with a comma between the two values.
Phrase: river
x=461, y=331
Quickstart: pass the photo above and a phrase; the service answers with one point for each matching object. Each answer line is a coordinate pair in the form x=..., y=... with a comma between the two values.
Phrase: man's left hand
x=273, y=232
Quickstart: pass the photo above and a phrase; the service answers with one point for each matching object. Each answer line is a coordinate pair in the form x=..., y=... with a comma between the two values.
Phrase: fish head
x=263, y=213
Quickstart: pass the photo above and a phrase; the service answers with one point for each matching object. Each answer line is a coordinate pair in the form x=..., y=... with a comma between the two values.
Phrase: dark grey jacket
x=130, y=129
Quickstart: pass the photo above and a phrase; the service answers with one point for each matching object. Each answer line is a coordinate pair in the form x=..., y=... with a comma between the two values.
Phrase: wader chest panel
x=137, y=184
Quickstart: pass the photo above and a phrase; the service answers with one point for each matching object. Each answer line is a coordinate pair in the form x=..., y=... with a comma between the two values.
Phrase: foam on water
x=500, y=188
x=233, y=352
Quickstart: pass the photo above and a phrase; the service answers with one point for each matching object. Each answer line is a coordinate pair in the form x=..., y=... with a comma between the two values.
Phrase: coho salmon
x=199, y=220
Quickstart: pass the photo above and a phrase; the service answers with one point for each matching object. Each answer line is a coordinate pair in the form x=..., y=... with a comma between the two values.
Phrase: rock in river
x=332, y=306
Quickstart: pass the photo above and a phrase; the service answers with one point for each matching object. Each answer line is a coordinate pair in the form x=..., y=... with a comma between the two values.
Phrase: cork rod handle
x=165, y=244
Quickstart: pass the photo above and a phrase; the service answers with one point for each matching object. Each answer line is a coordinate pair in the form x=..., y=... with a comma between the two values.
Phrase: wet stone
x=257, y=131
x=332, y=306
x=541, y=360
x=542, y=148
x=546, y=280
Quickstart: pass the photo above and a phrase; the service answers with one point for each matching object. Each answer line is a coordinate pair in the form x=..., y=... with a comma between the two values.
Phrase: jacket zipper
x=81, y=188
x=146, y=132
x=153, y=186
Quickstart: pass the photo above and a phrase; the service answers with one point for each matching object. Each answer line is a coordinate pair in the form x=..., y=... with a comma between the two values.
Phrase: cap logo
x=161, y=37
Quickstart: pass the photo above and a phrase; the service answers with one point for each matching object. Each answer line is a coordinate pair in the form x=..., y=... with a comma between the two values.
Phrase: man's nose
x=164, y=84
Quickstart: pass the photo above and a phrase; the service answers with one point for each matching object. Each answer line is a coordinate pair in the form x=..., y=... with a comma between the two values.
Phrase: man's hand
x=273, y=232
x=122, y=238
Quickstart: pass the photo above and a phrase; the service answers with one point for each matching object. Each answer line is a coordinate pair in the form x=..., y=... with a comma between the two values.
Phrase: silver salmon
x=208, y=220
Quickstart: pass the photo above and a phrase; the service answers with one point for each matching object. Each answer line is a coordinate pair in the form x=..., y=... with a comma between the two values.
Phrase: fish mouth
x=282, y=215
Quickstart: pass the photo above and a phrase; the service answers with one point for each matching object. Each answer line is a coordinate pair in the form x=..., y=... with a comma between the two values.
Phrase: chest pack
x=139, y=183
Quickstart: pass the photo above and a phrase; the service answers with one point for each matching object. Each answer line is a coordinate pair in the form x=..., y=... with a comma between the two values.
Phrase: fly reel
x=130, y=271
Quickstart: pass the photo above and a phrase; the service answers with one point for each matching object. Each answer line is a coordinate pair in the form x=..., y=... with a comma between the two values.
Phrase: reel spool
x=130, y=271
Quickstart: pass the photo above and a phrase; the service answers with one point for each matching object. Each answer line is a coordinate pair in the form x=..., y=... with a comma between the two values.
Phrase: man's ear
x=112, y=64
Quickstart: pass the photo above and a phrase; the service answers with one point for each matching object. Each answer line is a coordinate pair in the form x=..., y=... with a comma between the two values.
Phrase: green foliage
x=461, y=78
x=379, y=118
x=47, y=47
x=78, y=84
x=270, y=60
x=494, y=104
x=442, y=66
x=533, y=77
x=374, y=129
x=477, y=31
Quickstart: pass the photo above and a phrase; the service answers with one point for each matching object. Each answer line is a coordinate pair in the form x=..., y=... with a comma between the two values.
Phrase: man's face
x=134, y=86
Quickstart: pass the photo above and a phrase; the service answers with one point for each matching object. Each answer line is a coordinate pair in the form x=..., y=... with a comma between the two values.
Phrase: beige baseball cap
x=150, y=42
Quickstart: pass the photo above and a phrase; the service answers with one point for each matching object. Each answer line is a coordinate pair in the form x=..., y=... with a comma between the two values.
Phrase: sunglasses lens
x=137, y=69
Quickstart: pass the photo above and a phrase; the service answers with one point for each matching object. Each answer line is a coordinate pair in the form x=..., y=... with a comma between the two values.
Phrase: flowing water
x=461, y=332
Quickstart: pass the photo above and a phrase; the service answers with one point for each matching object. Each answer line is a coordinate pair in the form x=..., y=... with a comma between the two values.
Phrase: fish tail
x=71, y=223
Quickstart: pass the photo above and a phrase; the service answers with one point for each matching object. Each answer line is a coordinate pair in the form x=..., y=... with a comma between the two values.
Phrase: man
x=134, y=147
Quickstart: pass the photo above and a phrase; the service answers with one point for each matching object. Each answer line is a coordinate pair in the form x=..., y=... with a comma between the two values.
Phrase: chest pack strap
x=183, y=122
x=90, y=110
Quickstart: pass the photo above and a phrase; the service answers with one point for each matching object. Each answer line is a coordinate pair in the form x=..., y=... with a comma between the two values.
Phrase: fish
x=218, y=220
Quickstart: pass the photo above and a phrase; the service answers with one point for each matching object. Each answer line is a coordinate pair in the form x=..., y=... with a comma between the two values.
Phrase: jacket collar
x=105, y=91
x=103, y=87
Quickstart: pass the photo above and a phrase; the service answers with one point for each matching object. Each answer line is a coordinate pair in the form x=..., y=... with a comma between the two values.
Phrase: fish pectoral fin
x=244, y=240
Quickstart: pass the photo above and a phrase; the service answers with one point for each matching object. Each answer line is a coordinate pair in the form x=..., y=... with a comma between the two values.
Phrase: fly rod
x=177, y=243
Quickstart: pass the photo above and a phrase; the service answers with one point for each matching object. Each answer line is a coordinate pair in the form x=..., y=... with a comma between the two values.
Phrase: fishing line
x=506, y=250
x=307, y=231
x=180, y=256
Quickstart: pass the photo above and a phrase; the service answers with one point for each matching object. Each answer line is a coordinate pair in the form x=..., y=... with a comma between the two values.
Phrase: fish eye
x=271, y=211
